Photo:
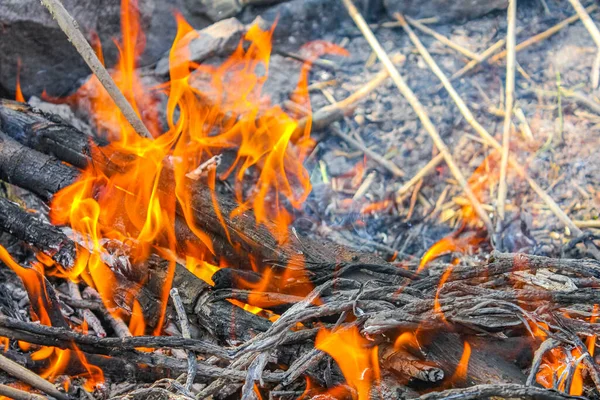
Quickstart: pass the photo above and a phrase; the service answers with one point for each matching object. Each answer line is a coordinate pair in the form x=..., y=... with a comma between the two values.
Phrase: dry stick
x=387, y=164
x=69, y=26
x=185, y=332
x=443, y=39
x=419, y=110
x=334, y=112
x=508, y=108
x=485, y=135
x=543, y=35
x=17, y=394
x=426, y=170
x=30, y=378
x=482, y=57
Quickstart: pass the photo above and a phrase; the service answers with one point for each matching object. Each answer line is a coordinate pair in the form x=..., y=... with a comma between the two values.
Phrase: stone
x=49, y=62
x=219, y=39
x=447, y=11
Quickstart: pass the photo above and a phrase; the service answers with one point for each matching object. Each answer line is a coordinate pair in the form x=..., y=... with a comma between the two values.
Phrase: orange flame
x=359, y=364
x=449, y=244
x=59, y=359
x=460, y=374
x=134, y=200
x=18, y=92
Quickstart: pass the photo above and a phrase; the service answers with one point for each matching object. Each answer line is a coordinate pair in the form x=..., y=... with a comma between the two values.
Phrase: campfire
x=308, y=199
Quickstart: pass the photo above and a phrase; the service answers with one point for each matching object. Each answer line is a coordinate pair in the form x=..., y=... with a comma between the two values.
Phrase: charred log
x=39, y=132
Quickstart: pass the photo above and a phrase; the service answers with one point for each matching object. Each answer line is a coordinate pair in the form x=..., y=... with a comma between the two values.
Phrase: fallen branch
x=543, y=35
x=17, y=394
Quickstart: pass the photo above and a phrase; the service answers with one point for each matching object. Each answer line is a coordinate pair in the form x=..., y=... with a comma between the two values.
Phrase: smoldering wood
x=409, y=366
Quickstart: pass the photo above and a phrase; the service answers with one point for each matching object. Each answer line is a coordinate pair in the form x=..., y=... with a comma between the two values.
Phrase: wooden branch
x=587, y=21
x=70, y=27
x=17, y=394
x=423, y=172
x=32, y=379
x=487, y=53
x=508, y=109
x=185, y=332
x=420, y=111
x=111, y=346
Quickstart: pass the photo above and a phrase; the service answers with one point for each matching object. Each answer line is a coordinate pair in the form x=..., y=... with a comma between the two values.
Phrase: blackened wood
x=147, y=279
x=64, y=338
x=226, y=321
x=44, y=132
x=35, y=232
x=41, y=174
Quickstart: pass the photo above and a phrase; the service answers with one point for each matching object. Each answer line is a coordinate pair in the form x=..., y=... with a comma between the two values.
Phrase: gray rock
x=221, y=38
x=49, y=61
x=443, y=9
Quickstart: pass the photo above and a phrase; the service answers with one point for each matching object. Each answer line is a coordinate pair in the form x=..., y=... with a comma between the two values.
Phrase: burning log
x=37, y=131
x=53, y=242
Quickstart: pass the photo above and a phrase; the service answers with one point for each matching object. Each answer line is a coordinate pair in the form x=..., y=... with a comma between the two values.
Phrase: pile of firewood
x=479, y=303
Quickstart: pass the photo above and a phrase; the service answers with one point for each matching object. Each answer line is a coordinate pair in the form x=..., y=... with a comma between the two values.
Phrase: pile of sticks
x=234, y=350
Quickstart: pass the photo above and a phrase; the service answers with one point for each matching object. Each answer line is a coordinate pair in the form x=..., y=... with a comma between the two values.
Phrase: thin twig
x=387, y=164
x=185, y=332
x=485, y=135
x=426, y=170
x=587, y=21
x=543, y=35
x=508, y=108
x=70, y=27
x=85, y=313
x=443, y=39
x=32, y=379
x=419, y=110
x=483, y=56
